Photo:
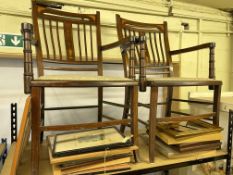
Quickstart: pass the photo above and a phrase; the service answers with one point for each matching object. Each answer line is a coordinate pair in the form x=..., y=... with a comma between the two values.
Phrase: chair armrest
x=211, y=47
x=55, y=5
x=27, y=30
x=123, y=44
x=193, y=48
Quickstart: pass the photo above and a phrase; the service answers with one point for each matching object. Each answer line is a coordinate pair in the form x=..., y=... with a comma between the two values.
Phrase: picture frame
x=66, y=144
x=188, y=128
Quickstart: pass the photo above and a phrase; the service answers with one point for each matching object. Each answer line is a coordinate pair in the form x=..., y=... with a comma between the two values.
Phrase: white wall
x=11, y=86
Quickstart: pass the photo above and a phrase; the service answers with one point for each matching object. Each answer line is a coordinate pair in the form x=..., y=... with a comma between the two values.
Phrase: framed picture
x=88, y=141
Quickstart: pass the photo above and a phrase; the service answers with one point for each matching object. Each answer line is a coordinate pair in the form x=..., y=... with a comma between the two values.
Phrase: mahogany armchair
x=157, y=62
x=68, y=42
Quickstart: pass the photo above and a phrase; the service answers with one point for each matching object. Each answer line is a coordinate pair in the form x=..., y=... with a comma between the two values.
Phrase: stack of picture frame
x=188, y=138
x=99, y=150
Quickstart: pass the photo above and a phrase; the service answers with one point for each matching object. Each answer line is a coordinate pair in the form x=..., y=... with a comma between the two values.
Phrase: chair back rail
x=66, y=38
x=157, y=51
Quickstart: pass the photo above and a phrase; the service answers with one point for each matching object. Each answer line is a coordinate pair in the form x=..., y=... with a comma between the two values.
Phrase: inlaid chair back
x=67, y=39
x=157, y=55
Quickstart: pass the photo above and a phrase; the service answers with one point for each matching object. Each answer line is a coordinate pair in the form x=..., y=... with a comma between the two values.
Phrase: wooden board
x=23, y=136
x=6, y=170
x=160, y=160
x=25, y=162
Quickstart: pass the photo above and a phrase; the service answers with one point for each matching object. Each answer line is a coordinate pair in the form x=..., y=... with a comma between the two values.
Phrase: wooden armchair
x=157, y=60
x=68, y=42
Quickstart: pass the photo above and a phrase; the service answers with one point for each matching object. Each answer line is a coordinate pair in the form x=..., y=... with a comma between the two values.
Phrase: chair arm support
x=211, y=47
x=27, y=30
x=129, y=43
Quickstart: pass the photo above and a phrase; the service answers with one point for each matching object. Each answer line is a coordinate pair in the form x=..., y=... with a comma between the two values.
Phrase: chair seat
x=73, y=80
x=177, y=81
x=74, y=77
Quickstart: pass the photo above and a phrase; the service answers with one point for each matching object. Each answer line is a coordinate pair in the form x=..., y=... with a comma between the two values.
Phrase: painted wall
x=205, y=25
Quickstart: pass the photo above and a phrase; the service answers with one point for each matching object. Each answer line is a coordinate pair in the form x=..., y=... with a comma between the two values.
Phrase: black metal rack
x=13, y=122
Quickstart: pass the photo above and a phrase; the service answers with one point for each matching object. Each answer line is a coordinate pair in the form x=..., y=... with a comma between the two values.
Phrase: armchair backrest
x=157, y=51
x=64, y=39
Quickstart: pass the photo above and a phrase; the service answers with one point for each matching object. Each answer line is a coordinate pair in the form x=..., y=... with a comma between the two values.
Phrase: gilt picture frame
x=188, y=128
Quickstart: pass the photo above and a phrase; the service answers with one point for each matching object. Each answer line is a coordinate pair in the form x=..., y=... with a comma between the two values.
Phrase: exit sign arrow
x=11, y=40
x=15, y=40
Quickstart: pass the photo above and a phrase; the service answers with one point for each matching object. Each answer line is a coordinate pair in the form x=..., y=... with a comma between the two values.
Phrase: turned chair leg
x=216, y=105
x=133, y=91
x=42, y=113
x=36, y=119
x=152, y=122
x=169, y=101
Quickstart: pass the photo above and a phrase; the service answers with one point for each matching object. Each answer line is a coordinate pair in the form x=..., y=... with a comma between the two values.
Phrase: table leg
x=36, y=114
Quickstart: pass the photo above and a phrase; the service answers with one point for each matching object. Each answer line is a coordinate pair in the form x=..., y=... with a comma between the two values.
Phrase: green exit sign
x=11, y=40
